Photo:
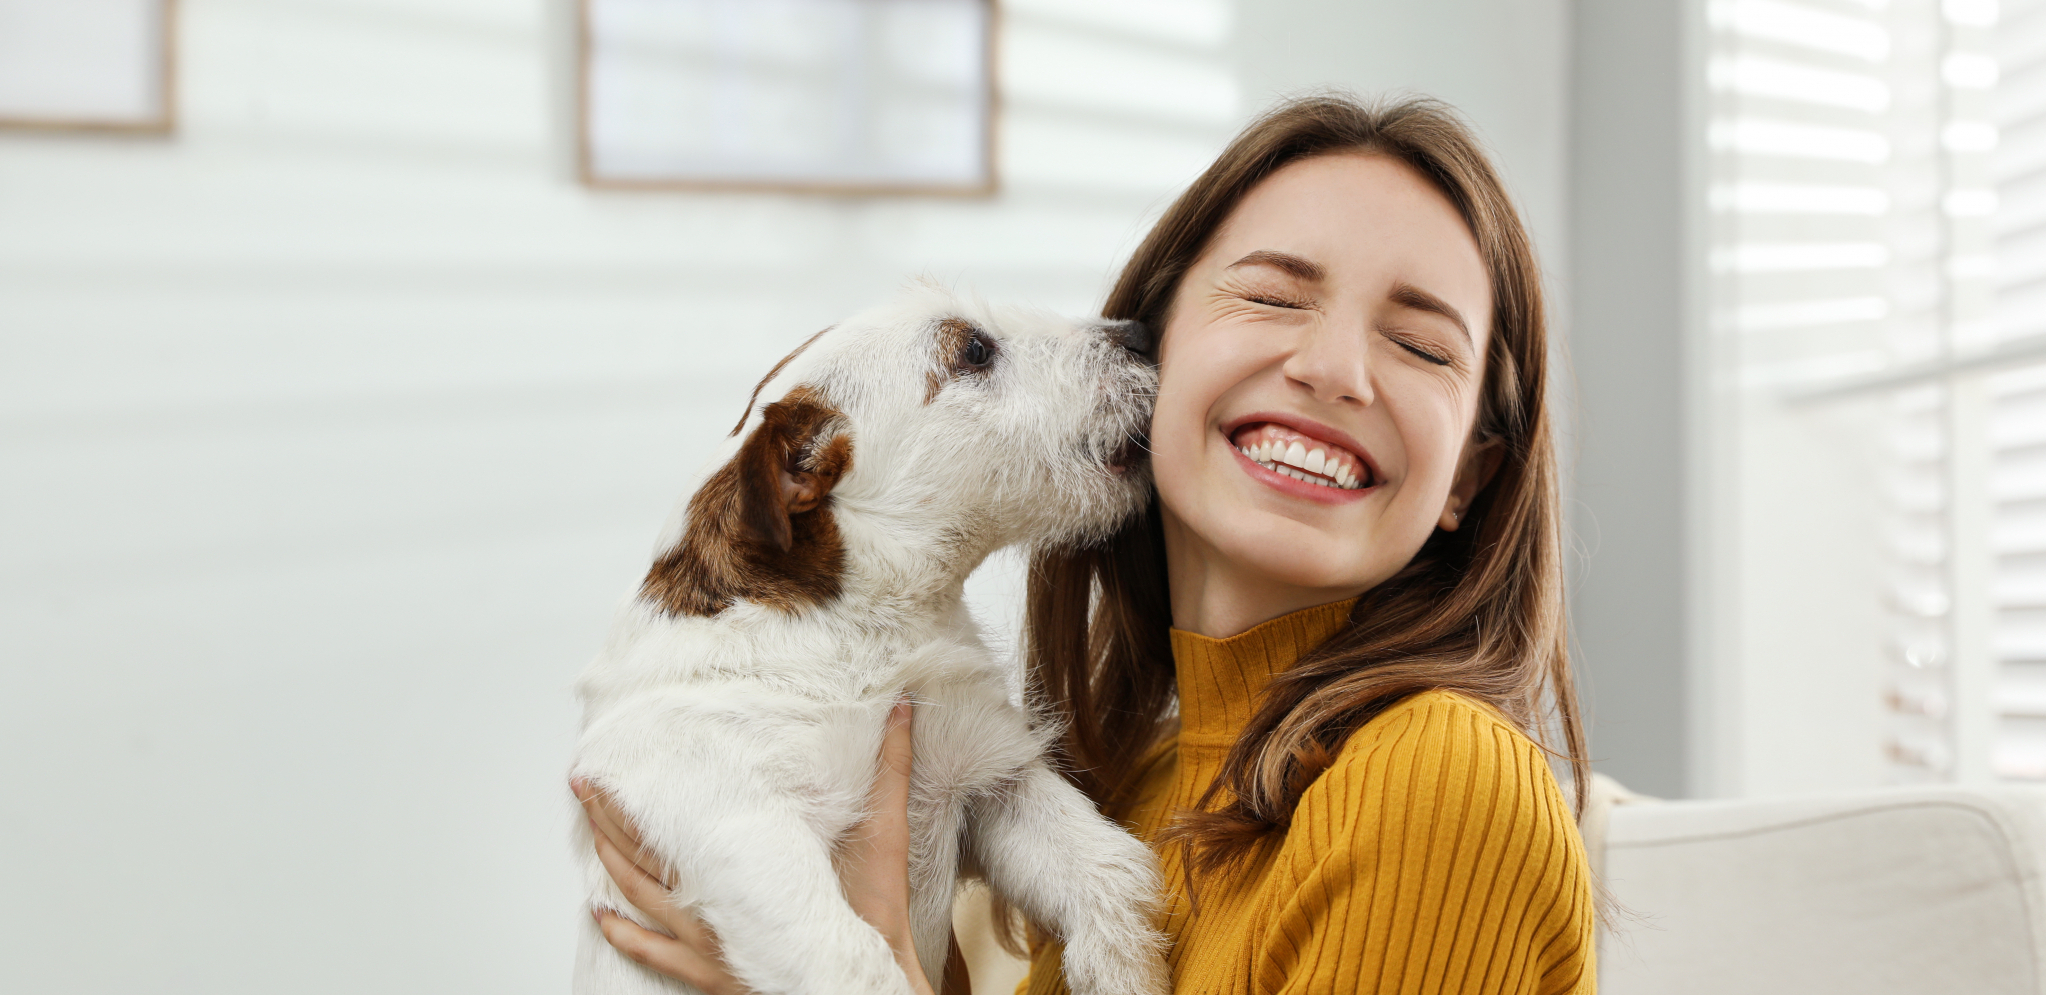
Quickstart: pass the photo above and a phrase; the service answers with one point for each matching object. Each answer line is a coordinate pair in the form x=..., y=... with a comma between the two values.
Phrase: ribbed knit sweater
x=1436, y=855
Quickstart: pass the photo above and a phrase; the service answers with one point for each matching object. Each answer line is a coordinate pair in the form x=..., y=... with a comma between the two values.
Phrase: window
x=2016, y=431
x=1876, y=296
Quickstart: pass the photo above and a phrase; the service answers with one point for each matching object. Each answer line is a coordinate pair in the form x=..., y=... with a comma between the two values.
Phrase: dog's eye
x=978, y=352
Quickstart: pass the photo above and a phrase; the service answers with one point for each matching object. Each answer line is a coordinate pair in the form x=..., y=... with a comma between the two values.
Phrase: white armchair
x=1924, y=890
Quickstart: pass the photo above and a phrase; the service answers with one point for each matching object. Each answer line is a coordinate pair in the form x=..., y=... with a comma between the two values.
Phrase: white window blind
x=2016, y=443
x=1801, y=194
x=1861, y=191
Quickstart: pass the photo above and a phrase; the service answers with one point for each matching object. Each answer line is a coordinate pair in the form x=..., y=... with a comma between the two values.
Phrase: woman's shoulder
x=1437, y=842
x=1443, y=761
x=1439, y=724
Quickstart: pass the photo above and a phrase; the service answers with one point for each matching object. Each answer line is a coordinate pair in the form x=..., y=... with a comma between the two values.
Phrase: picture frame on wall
x=88, y=65
x=824, y=96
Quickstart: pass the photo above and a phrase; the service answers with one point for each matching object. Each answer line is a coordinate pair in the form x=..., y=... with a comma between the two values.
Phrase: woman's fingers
x=612, y=824
x=652, y=897
x=667, y=955
x=876, y=854
x=897, y=753
x=891, y=783
x=645, y=893
x=689, y=951
x=873, y=863
x=873, y=868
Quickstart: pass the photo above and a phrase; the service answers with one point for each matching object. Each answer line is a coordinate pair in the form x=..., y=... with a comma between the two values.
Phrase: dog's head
x=915, y=439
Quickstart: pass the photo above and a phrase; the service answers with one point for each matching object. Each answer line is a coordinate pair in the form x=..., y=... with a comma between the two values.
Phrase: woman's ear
x=1479, y=463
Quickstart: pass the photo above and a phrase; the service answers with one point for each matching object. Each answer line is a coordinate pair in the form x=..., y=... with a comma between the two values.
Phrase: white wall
x=336, y=425
x=1503, y=63
x=1726, y=599
x=1799, y=675
x=1632, y=503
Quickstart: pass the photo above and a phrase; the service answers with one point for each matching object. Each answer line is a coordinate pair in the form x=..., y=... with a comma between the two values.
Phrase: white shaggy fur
x=744, y=744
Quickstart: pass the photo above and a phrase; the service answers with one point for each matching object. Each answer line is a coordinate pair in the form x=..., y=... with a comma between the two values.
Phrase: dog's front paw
x=1121, y=962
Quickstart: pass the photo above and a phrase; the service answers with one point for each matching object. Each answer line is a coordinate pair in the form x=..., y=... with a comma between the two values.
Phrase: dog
x=813, y=579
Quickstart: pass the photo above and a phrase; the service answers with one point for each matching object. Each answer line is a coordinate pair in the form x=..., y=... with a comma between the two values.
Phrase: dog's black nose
x=1131, y=335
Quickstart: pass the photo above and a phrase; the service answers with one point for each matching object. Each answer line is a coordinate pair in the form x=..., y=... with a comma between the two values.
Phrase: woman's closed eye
x=1427, y=354
x=1269, y=299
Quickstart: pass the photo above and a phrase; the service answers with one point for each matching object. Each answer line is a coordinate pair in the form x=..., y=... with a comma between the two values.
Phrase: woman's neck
x=1213, y=596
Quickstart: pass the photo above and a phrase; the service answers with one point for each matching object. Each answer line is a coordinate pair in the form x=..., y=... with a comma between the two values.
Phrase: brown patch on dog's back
x=740, y=541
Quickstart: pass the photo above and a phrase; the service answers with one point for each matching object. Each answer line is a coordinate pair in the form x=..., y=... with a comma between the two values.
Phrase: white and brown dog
x=814, y=578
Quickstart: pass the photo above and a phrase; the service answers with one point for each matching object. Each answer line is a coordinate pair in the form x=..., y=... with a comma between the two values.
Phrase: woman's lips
x=1266, y=450
x=1290, y=452
x=1294, y=487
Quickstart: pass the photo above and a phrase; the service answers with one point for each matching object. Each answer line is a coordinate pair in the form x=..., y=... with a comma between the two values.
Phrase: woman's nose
x=1334, y=364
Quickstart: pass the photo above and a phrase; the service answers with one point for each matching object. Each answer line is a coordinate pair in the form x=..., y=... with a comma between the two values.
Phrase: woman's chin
x=1325, y=565
x=1266, y=548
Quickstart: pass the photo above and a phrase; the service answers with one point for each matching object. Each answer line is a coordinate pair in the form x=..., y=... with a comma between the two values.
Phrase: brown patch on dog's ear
x=771, y=374
x=761, y=528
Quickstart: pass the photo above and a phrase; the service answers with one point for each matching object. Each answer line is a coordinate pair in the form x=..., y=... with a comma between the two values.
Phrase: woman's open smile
x=1301, y=457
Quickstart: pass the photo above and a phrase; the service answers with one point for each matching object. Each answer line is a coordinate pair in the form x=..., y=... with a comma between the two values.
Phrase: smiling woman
x=1314, y=676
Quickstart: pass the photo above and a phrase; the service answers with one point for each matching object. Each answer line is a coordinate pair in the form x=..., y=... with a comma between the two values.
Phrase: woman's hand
x=873, y=868
x=689, y=951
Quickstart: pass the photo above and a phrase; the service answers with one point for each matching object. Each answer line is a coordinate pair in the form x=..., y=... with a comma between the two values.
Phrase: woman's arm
x=873, y=868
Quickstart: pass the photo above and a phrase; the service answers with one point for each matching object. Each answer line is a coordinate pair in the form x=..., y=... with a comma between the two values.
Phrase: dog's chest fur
x=801, y=708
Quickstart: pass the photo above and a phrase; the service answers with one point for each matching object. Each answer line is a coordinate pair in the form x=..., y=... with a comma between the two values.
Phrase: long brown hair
x=1478, y=610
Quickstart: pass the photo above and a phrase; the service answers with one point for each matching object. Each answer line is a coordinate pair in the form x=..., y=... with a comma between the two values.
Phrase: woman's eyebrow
x=1306, y=269
x=1409, y=296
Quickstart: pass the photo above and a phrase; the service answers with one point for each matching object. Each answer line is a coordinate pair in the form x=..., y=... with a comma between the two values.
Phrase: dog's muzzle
x=1129, y=454
x=1130, y=334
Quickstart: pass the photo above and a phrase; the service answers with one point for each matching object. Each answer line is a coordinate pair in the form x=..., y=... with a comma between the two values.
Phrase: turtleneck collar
x=1222, y=680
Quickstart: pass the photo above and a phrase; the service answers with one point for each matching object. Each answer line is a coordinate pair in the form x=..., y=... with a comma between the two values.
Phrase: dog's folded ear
x=761, y=527
x=788, y=467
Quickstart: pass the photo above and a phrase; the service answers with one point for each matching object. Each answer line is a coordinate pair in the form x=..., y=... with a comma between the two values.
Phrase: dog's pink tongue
x=1120, y=462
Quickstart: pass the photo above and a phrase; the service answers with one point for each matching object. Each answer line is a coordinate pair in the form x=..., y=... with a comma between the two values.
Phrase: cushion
x=1903, y=890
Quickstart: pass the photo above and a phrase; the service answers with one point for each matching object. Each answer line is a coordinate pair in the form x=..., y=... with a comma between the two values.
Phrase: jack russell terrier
x=813, y=579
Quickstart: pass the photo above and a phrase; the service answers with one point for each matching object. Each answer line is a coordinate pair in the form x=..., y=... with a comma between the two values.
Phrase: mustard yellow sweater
x=1436, y=855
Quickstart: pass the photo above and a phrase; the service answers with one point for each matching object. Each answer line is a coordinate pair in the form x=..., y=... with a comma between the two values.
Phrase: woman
x=1348, y=586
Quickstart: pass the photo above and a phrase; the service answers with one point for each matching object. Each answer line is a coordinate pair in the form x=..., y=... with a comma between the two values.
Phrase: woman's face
x=1334, y=329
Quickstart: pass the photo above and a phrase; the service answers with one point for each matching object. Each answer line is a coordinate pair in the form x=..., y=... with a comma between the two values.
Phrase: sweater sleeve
x=1442, y=858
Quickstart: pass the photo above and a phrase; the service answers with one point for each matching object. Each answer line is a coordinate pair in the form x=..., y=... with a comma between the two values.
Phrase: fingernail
x=575, y=786
x=597, y=914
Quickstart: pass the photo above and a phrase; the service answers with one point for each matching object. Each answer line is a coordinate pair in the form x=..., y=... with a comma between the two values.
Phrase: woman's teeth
x=1313, y=466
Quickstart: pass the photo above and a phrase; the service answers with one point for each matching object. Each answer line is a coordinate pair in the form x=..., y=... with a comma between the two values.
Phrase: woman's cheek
x=1177, y=431
x=1431, y=450
x=1194, y=375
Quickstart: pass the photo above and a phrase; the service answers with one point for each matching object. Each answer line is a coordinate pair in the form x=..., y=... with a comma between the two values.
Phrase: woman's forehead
x=1355, y=216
